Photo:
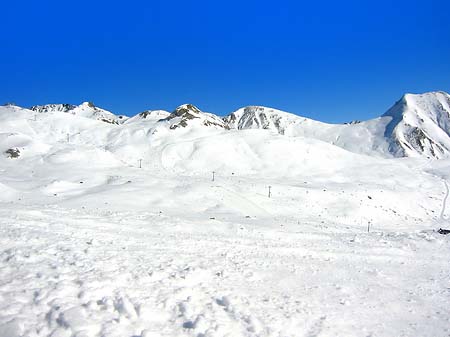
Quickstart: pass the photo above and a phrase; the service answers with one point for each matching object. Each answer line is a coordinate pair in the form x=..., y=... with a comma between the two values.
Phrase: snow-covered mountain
x=85, y=109
x=262, y=223
x=149, y=116
x=364, y=138
x=420, y=125
x=188, y=114
x=416, y=126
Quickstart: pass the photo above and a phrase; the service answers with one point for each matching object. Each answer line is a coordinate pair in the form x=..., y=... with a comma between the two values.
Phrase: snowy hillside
x=86, y=109
x=417, y=125
x=420, y=125
x=262, y=223
x=365, y=138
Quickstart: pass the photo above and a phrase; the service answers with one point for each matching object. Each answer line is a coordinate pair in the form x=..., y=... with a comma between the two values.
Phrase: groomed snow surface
x=93, y=245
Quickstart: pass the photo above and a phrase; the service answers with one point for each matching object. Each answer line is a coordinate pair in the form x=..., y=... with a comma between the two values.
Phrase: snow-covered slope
x=364, y=138
x=188, y=114
x=417, y=125
x=85, y=109
x=151, y=116
x=184, y=224
x=420, y=125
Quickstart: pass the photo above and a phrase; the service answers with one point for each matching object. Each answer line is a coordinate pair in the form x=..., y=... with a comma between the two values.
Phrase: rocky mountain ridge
x=416, y=125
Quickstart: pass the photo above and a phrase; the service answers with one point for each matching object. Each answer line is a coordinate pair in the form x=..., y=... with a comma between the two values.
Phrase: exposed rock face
x=184, y=114
x=187, y=111
x=255, y=117
x=13, y=153
x=53, y=108
x=145, y=114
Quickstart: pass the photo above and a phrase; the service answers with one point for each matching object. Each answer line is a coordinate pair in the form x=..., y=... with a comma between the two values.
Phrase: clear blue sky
x=330, y=60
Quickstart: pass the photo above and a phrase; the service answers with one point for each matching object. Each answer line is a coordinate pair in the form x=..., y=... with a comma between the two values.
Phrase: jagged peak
x=260, y=117
x=186, y=109
x=63, y=107
x=184, y=114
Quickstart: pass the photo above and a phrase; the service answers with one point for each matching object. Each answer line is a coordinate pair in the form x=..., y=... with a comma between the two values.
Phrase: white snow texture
x=162, y=224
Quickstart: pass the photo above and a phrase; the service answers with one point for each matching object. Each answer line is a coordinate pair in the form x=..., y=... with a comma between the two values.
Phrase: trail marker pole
x=213, y=173
x=269, y=191
x=140, y=163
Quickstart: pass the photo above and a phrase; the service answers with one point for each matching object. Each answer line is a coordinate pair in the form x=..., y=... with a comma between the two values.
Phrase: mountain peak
x=88, y=104
x=85, y=109
x=61, y=107
x=186, y=109
x=186, y=114
x=420, y=125
x=259, y=117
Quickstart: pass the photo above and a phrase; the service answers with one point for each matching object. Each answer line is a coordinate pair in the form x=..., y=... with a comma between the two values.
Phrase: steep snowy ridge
x=420, y=125
x=258, y=117
x=188, y=114
x=417, y=125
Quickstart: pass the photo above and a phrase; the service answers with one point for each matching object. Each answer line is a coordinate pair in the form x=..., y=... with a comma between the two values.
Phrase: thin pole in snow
x=68, y=138
x=269, y=191
x=140, y=163
x=213, y=173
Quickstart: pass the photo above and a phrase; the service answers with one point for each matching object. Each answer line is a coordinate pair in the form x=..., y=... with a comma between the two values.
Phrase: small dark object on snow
x=13, y=153
x=444, y=231
x=369, y=197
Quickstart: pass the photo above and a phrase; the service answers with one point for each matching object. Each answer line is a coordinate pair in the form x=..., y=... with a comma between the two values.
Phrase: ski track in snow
x=73, y=273
x=444, y=201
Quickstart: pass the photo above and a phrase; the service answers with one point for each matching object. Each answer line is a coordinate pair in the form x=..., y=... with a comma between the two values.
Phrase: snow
x=72, y=272
x=417, y=125
x=93, y=245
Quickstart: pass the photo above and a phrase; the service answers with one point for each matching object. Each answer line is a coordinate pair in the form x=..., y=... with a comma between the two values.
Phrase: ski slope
x=118, y=229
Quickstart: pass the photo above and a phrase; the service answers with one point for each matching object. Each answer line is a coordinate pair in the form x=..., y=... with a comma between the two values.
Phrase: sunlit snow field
x=93, y=245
